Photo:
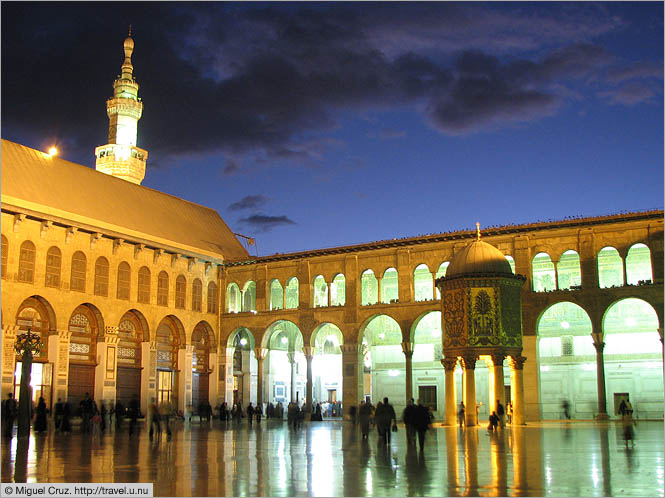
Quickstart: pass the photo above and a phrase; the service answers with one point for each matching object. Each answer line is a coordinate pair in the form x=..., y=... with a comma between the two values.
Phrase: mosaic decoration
x=80, y=320
x=511, y=318
x=164, y=356
x=126, y=352
x=484, y=327
x=78, y=348
x=453, y=316
x=127, y=326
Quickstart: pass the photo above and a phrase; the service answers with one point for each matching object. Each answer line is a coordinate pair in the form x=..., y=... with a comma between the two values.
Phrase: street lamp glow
x=53, y=151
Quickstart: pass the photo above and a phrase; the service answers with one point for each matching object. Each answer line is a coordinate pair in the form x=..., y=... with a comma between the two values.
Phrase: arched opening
x=389, y=286
x=85, y=326
x=212, y=297
x=180, y=292
x=276, y=295
x=202, y=342
x=292, y=294
x=428, y=375
x=244, y=363
x=53, y=267
x=423, y=285
x=369, y=288
x=197, y=295
x=320, y=292
x=441, y=272
x=124, y=280
x=568, y=270
x=327, y=369
x=544, y=277
x=633, y=358
x=610, y=268
x=286, y=369
x=249, y=297
x=511, y=262
x=232, y=298
x=338, y=290
x=26, y=262
x=163, y=288
x=169, y=340
x=638, y=265
x=78, y=273
x=37, y=315
x=384, y=362
x=102, y=277
x=567, y=361
x=132, y=331
x=143, y=294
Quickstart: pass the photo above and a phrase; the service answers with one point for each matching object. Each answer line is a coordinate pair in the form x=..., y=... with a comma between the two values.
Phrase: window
x=292, y=293
x=163, y=288
x=102, y=277
x=249, y=297
x=511, y=261
x=53, y=264
x=638, y=265
x=212, y=297
x=197, y=295
x=5, y=249
x=180, y=292
x=26, y=262
x=369, y=288
x=276, y=295
x=232, y=298
x=144, y=285
x=124, y=280
x=389, y=286
x=610, y=268
x=543, y=273
x=568, y=270
x=338, y=290
x=78, y=272
x=423, y=285
x=320, y=292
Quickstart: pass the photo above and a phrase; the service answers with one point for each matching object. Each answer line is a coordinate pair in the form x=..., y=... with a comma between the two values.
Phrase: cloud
x=635, y=70
x=249, y=202
x=265, y=223
x=629, y=95
x=231, y=167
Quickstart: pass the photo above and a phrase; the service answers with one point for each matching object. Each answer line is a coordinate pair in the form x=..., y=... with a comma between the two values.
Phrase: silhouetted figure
x=627, y=424
x=40, y=418
x=134, y=412
x=421, y=420
x=408, y=419
x=250, y=413
x=119, y=414
x=493, y=422
x=66, y=425
x=384, y=417
x=258, y=412
x=9, y=412
x=501, y=413
x=58, y=413
x=86, y=409
x=460, y=415
x=155, y=420
x=223, y=412
x=566, y=408
x=364, y=416
x=317, y=413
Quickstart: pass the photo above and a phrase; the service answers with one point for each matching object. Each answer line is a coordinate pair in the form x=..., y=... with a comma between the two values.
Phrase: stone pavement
x=330, y=459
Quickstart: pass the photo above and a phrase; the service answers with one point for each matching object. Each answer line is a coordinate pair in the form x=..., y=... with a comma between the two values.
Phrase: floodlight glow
x=565, y=325
x=393, y=373
x=544, y=368
x=382, y=335
x=243, y=341
x=284, y=340
x=53, y=151
x=630, y=321
x=589, y=367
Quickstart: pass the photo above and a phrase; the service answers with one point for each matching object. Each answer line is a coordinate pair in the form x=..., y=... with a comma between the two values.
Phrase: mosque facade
x=139, y=294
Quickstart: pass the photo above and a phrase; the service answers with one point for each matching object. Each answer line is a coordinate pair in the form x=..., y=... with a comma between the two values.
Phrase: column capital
x=308, y=351
x=351, y=348
x=497, y=359
x=518, y=362
x=469, y=361
x=291, y=355
x=260, y=353
x=449, y=363
x=600, y=346
x=407, y=349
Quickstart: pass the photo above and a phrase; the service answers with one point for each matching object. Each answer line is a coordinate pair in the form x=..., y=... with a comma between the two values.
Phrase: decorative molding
x=44, y=228
x=137, y=250
x=156, y=255
x=190, y=263
x=407, y=349
x=497, y=359
x=261, y=353
x=308, y=351
x=208, y=265
x=18, y=219
x=469, y=361
x=94, y=237
x=174, y=258
x=71, y=231
x=449, y=363
x=518, y=362
x=117, y=244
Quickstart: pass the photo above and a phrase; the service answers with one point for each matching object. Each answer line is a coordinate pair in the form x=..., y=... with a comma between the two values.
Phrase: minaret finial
x=130, y=30
x=477, y=230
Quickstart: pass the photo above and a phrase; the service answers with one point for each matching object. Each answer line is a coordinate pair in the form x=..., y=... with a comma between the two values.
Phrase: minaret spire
x=121, y=157
x=477, y=230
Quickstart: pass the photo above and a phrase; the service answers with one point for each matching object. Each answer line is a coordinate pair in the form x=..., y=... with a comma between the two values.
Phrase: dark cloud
x=265, y=223
x=249, y=202
x=266, y=82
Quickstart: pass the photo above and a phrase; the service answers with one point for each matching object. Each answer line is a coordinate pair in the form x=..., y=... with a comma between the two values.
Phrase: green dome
x=479, y=258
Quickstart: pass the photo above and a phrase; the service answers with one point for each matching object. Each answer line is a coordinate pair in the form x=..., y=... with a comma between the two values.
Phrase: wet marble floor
x=330, y=459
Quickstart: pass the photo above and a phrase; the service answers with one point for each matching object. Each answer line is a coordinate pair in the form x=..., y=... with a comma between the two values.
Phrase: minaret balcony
x=124, y=106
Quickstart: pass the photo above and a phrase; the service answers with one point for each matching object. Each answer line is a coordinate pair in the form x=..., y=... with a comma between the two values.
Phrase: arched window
x=78, y=272
x=423, y=286
x=101, y=277
x=5, y=250
x=568, y=270
x=511, y=261
x=369, y=288
x=320, y=292
x=389, y=286
x=163, y=288
x=441, y=272
x=543, y=273
x=144, y=285
x=276, y=295
x=232, y=298
x=610, y=268
x=212, y=297
x=338, y=290
x=180, y=292
x=53, y=264
x=249, y=297
x=638, y=264
x=124, y=280
x=292, y=293
x=197, y=295
x=26, y=262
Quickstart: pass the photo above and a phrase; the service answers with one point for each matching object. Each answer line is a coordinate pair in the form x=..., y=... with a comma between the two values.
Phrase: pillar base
x=602, y=416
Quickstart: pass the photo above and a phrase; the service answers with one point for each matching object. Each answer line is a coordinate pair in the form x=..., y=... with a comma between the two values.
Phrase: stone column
x=148, y=374
x=213, y=383
x=449, y=364
x=106, y=369
x=226, y=369
x=58, y=353
x=260, y=354
x=517, y=387
x=407, y=348
x=292, y=360
x=600, y=375
x=8, y=359
x=309, y=356
x=497, y=374
x=378, y=290
x=184, y=374
x=662, y=345
x=352, y=375
x=469, y=363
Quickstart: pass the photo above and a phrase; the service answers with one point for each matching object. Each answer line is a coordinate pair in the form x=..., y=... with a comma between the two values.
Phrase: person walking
x=501, y=413
x=364, y=414
x=421, y=421
x=119, y=414
x=250, y=413
x=66, y=425
x=493, y=422
x=385, y=418
x=9, y=411
x=58, y=412
x=134, y=412
x=627, y=423
x=86, y=408
x=155, y=421
x=509, y=412
x=40, y=418
x=258, y=412
x=460, y=415
x=408, y=417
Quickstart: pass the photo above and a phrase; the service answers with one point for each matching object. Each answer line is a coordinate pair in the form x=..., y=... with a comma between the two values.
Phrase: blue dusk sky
x=313, y=125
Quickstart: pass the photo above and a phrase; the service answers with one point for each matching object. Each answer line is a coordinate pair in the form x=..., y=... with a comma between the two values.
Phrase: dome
x=479, y=257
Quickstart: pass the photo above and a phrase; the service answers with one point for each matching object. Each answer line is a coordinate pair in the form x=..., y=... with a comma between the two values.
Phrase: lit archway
x=132, y=332
x=327, y=368
x=285, y=374
x=203, y=343
x=428, y=374
x=169, y=338
x=86, y=326
x=242, y=343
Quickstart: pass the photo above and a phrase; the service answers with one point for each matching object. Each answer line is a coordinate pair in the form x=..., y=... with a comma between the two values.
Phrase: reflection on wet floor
x=330, y=459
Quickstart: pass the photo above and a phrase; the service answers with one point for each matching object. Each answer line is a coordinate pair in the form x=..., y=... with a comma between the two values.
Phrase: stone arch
x=569, y=270
x=46, y=313
x=233, y=302
x=138, y=318
x=366, y=323
x=237, y=335
x=203, y=325
x=97, y=319
x=248, y=302
x=320, y=290
x=276, y=299
x=543, y=272
x=638, y=264
x=369, y=287
x=315, y=339
x=37, y=314
x=423, y=285
x=426, y=316
x=176, y=324
x=390, y=285
x=338, y=290
x=295, y=338
x=610, y=267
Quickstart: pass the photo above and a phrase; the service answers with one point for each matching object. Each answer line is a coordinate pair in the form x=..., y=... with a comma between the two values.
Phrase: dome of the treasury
x=480, y=258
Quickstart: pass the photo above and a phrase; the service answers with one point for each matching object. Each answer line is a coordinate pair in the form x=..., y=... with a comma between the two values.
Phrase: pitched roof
x=34, y=182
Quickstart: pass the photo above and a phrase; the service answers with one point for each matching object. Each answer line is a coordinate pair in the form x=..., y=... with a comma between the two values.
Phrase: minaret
x=121, y=157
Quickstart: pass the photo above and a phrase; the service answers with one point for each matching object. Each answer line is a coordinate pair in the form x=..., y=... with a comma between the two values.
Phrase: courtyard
x=329, y=458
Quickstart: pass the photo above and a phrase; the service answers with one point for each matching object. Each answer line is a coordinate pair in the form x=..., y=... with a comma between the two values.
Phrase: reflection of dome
x=479, y=257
